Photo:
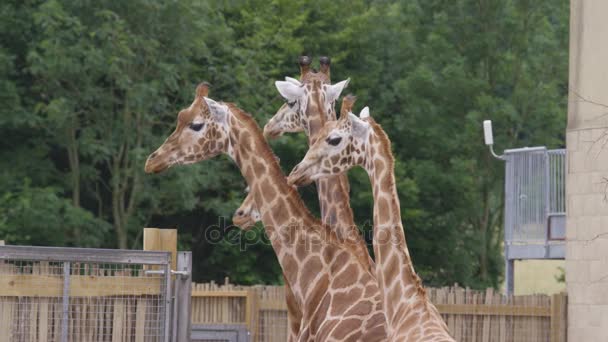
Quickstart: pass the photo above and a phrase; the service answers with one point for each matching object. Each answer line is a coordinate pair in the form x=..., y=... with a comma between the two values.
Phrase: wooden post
x=558, y=317
x=156, y=239
x=249, y=307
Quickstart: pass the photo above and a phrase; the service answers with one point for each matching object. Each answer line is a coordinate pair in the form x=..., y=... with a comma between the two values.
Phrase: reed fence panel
x=471, y=315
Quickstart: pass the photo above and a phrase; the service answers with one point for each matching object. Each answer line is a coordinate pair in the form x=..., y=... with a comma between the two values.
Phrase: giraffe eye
x=196, y=126
x=333, y=141
x=291, y=104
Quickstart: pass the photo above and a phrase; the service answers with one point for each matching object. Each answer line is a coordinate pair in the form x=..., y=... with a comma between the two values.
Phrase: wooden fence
x=472, y=316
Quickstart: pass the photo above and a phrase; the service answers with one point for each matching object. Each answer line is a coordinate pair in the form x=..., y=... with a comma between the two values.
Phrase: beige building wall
x=587, y=145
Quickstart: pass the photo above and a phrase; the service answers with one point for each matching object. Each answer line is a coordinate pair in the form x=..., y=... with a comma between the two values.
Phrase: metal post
x=66, y=301
x=509, y=275
x=508, y=225
x=174, y=308
x=547, y=201
x=168, y=302
x=183, y=299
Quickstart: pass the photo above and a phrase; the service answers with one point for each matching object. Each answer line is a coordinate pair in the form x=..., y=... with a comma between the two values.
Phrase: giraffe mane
x=385, y=144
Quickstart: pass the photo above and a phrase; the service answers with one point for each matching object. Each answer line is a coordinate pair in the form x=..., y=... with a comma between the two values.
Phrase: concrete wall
x=587, y=144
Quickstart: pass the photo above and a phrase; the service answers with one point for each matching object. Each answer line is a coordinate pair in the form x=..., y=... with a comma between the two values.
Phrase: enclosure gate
x=535, y=207
x=82, y=294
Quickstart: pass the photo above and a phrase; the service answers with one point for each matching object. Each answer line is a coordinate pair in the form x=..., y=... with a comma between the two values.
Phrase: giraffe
x=339, y=299
x=309, y=104
x=352, y=141
x=245, y=217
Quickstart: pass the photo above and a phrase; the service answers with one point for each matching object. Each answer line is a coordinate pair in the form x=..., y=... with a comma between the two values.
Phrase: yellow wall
x=538, y=276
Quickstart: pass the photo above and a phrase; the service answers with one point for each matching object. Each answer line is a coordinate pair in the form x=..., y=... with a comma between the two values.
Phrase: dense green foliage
x=89, y=88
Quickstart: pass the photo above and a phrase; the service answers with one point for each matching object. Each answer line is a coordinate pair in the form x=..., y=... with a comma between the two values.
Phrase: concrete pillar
x=586, y=191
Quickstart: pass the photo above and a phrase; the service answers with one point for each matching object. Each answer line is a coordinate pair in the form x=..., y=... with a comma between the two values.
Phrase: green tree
x=89, y=88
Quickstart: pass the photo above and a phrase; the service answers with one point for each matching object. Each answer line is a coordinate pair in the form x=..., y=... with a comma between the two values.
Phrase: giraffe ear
x=217, y=109
x=360, y=128
x=293, y=80
x=334, y=90
x=289, y=91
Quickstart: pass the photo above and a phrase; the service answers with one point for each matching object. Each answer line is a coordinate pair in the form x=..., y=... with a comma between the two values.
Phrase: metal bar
x=525, y=149
x=223, y=332
x=183, y=298
x=114, y=256
x=555, y=250
x=508, y=206
x=174, y=317
x=155, y=272
x=66, y=302
x=168, y=293
x=547, y=188
x=509, y=275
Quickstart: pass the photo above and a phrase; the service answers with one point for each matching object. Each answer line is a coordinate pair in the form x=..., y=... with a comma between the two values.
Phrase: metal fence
x=534, y=195
x=535, y=206
x=557, y=194
x=77, y=294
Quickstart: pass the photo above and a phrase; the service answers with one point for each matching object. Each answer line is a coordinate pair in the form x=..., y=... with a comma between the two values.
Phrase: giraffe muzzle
x=270, y=133
x=300, y=176
x=245, y=222
x=152, y=166
x=156, y=163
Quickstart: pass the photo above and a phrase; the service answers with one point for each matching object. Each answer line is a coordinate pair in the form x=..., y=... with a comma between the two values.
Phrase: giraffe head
x=247, y=215
x=340, y=145
x=201, y=133
x=309, y=102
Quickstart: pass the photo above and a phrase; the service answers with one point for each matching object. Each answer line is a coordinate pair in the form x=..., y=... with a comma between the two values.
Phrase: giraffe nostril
x=153, y=155
x=240, y=213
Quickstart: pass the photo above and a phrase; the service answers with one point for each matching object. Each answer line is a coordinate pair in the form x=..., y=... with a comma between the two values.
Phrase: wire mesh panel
x=526, y=195
x=535, y=190
x=61, y=294
x=557, y=194
x=557, y=181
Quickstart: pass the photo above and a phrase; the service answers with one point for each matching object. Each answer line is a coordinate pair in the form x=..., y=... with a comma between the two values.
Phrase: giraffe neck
x=404, y=299
x=326, y=279
x=334, y=199
x=282, y=211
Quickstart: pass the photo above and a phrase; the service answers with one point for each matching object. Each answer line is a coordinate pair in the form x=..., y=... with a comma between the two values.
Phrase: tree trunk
x=74, y=160
x=119, y=224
